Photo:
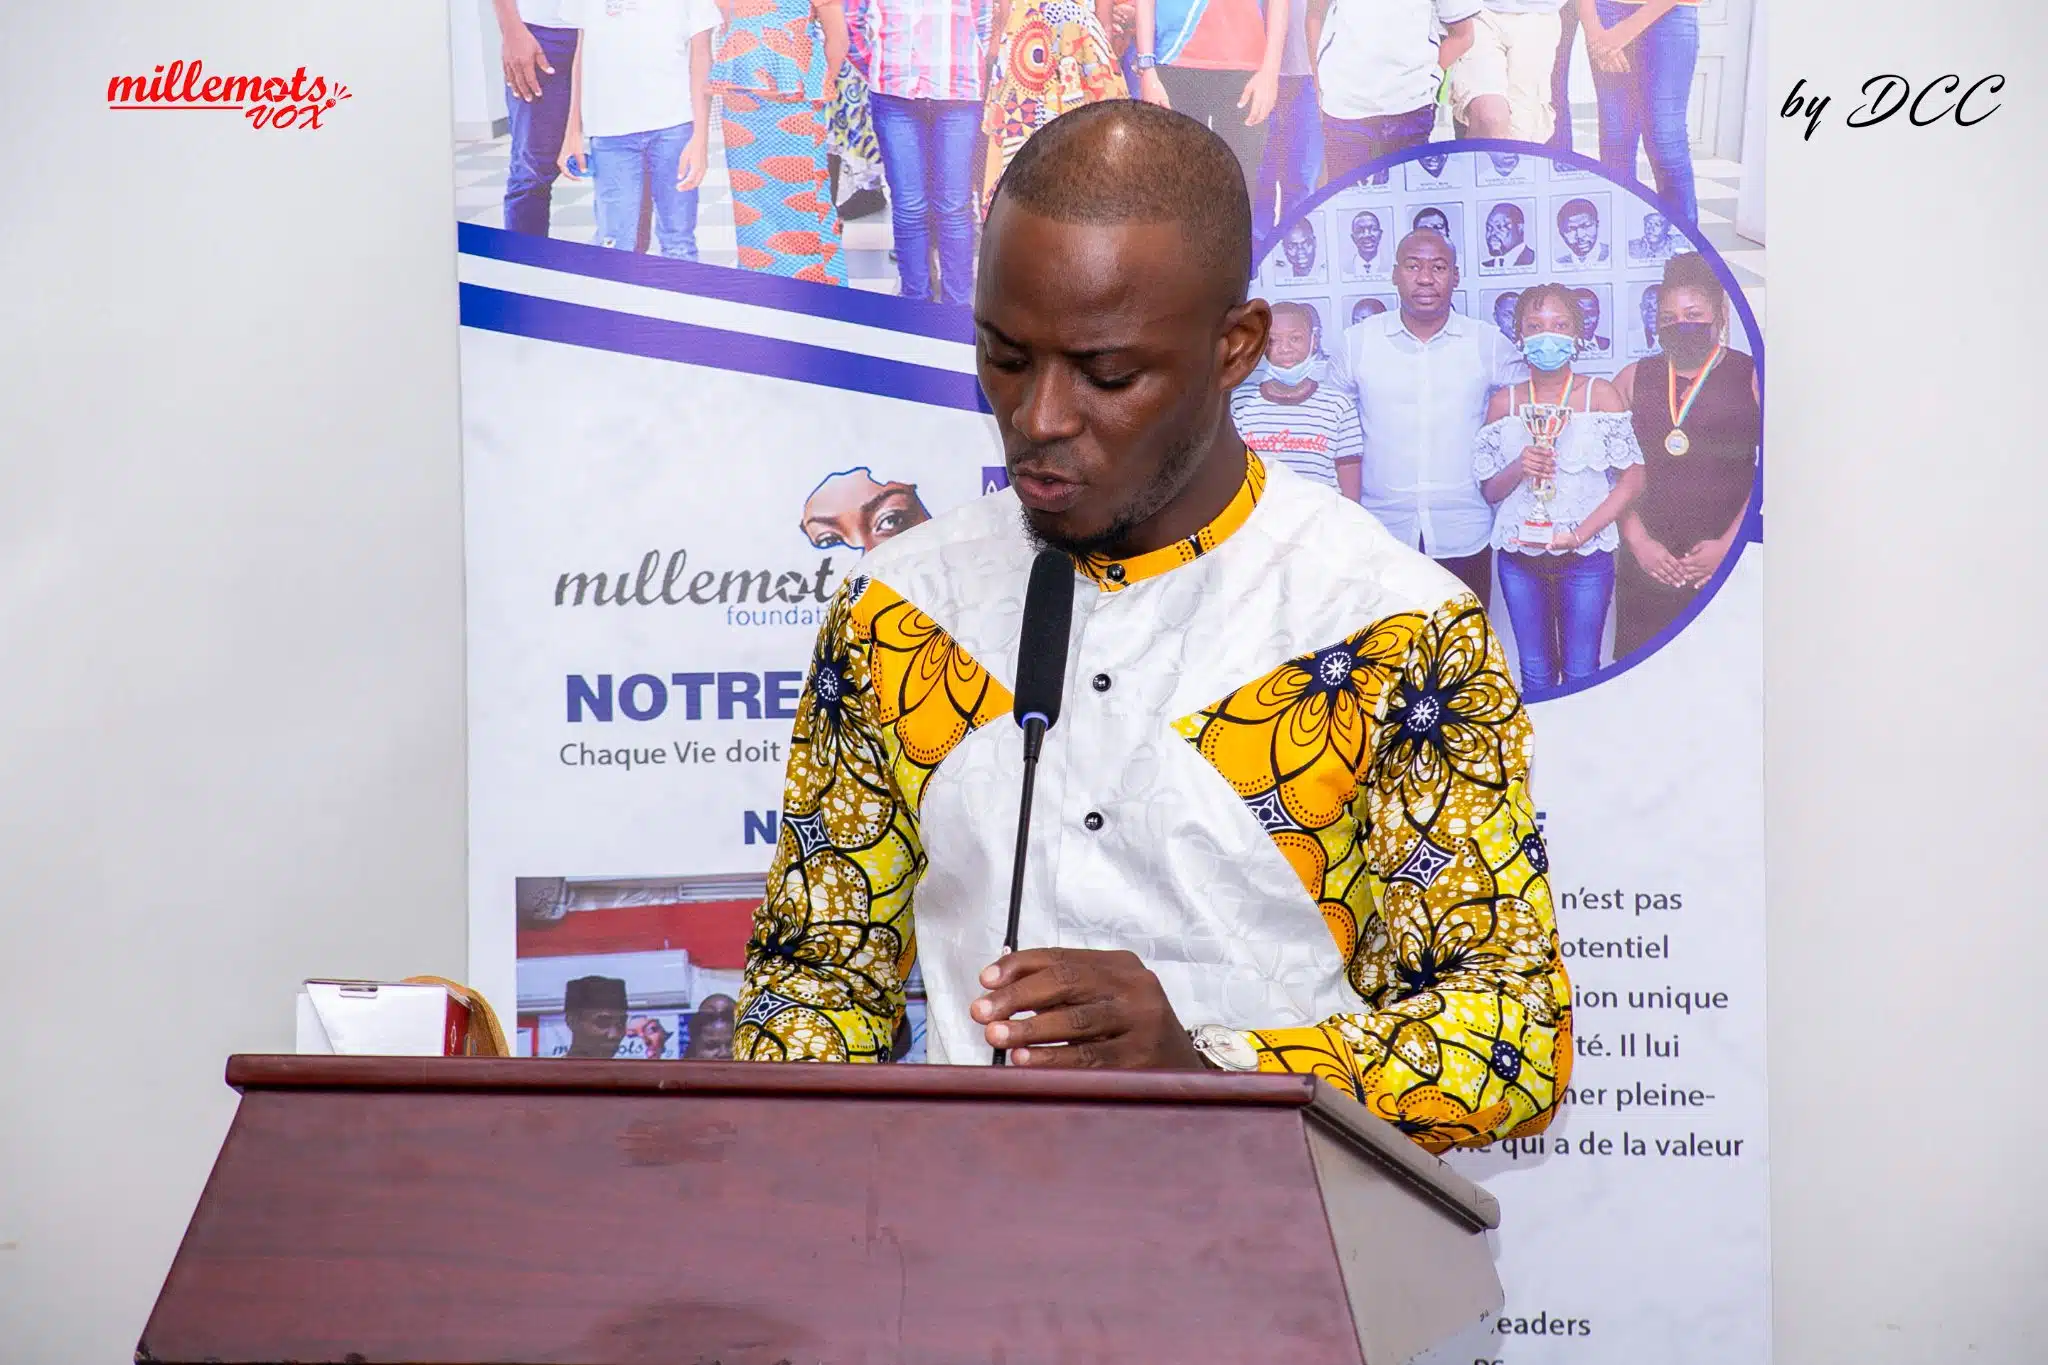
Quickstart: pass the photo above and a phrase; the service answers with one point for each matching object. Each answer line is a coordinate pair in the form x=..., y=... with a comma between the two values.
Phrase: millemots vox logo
x=294, y=101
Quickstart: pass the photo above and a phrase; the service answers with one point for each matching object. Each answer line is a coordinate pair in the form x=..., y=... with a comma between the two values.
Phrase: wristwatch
x=1145, y=61
x=1226, y=1049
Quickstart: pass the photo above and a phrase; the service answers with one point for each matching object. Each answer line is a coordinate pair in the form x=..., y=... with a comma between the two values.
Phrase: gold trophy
x=1546, y=422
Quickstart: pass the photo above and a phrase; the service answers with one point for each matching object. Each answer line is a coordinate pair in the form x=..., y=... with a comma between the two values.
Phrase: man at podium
x=1284, y=823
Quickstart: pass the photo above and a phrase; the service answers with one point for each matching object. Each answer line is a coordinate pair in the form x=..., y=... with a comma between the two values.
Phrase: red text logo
x=294, y=101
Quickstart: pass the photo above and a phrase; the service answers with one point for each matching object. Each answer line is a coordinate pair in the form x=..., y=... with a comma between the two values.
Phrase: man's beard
x=1176, y=471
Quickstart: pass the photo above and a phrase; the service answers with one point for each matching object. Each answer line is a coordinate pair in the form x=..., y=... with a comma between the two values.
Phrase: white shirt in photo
x=636, y=62
x=1379, y=57
x=1421, y=405
x=1593, y=451
x=1567, y=259
x=548, y=13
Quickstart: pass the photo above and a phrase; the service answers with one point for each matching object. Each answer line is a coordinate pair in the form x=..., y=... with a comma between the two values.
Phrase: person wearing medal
x=1558, y=588
x=1698, y=418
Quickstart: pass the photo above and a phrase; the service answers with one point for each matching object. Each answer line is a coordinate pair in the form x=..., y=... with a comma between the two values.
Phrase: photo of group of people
x=1586, y=472
x=642, y=968
x=755, y=133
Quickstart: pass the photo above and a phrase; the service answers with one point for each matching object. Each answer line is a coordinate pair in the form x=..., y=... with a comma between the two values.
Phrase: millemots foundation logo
x=294, y=101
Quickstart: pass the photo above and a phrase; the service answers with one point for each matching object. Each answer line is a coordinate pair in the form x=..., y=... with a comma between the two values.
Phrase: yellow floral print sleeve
x=1391, y=770
x=888, y=696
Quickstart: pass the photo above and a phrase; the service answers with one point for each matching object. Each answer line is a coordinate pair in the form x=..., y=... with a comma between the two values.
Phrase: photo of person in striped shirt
x=1289, y=418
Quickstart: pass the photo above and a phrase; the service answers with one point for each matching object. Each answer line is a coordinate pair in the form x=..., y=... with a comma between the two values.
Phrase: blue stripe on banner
x=944, y=322
x=576, y=324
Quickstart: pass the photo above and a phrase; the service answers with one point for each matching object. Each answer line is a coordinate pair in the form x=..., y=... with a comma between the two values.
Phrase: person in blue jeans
x=537, y=44
x=927, y=81
x=1643, y=53
x=641, y=92
x=1554, y=554
x=1291, y=166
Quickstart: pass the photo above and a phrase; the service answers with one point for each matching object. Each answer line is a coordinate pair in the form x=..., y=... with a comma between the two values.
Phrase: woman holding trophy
x=1558, y=459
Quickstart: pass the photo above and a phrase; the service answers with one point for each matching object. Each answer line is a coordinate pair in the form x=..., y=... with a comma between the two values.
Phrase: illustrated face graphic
x=1434, y=220
x=1580, y=229
x=1504, y=314
x=1504, y=163
x=653, y=1034
x=1655, y=226
x=1299, y=246
x=853, y=508
x=1292, y=339
x=1589, y=311
x=1434, y=163
x=1649, y=311
x=1365, y=235
x=1503, y=230
x=1366, y=308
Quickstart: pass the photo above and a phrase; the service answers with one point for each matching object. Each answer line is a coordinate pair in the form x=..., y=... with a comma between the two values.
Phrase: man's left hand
x=1107, y=1008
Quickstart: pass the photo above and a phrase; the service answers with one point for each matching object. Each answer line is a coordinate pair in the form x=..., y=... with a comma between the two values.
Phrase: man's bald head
x=1124, y=161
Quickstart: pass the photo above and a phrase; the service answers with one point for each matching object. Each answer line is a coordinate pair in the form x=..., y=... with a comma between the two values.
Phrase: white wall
x=1906, y=731
x=230, y=590
x=230, y=600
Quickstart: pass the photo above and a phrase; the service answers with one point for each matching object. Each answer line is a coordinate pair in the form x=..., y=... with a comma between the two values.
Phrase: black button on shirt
x=1093, y=819
x=1101, y=682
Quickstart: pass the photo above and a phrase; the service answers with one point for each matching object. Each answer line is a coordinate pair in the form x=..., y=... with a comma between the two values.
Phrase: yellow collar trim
x=1114, y=575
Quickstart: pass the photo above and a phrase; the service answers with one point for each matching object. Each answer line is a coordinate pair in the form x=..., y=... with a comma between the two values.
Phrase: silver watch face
x=1229, y=1048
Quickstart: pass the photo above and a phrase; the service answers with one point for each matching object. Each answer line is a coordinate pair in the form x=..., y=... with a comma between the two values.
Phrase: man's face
x=1366, y=308
x=1365, y=235
x=853, y=508
x=1504, y=163
x=1300, y=246
x=1434, y=220
x=1290, y=341
x=1504, y=315
x=595, y=1032
x=1655, y=225
x=1649, y=311
x=1589, y=313
x=1581, y=232
x=1108, y=361
x=1425, y=275
x=1503, y=233
x=1434, y=162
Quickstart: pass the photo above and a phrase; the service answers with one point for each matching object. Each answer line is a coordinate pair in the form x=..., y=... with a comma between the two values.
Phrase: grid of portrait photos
x=1514, y=218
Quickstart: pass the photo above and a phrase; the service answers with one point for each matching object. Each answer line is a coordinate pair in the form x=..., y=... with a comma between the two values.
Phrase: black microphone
x=1041, y=678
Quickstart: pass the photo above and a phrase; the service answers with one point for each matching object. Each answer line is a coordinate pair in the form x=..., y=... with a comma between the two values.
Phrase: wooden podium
x=466, y=1210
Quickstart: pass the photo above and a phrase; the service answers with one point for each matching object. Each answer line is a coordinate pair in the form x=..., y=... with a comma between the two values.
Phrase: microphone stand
x=1034, y=740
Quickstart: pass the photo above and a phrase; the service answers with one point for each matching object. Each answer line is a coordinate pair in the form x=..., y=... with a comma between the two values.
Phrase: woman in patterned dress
x=774, y=66
x=1052, y=56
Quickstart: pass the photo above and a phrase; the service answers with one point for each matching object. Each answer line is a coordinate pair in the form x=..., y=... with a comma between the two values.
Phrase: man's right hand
x=524, y=62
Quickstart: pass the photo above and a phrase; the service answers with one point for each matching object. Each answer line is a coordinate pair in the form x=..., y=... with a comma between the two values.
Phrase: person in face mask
x=1698, y=418
x=1287, y=415
x=1557, y=589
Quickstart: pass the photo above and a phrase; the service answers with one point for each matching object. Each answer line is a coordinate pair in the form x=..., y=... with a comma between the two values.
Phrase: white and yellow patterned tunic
x=1291, y=775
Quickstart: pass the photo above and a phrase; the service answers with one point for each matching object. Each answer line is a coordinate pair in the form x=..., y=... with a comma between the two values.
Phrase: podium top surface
x=1369, y=1138
x=840, y=1080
